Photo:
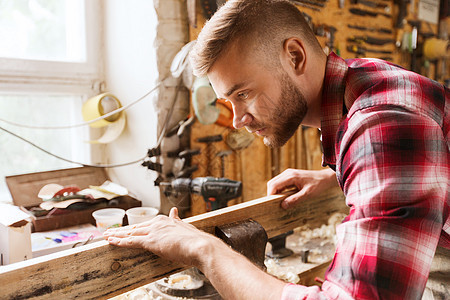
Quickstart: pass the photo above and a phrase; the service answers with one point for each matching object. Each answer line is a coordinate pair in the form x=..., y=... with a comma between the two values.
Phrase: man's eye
x=243, y=96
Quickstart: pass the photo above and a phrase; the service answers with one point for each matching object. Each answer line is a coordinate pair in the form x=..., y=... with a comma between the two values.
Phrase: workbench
x=102, y=271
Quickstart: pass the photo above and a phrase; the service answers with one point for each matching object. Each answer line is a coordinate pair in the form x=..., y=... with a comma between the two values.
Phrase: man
x=385, y=133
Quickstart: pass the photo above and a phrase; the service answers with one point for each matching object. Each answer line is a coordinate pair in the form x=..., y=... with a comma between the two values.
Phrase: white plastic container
x=108, y=218
x=141, y=214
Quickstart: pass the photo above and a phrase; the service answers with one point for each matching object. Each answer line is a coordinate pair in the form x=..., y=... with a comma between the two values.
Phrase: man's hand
x=309, y=183
x=233, y=276
x=167, y=237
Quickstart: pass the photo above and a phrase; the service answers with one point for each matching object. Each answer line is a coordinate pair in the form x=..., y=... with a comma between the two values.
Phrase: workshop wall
x=378, y=28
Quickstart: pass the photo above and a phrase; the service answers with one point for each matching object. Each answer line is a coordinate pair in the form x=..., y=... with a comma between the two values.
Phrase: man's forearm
x=234, y=276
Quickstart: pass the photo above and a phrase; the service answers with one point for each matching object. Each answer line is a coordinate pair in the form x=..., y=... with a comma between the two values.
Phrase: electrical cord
x=68, y=160
x=161, y=135
x=88, y=122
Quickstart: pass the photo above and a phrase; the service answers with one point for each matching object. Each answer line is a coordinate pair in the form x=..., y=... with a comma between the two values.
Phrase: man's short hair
x=261, y=24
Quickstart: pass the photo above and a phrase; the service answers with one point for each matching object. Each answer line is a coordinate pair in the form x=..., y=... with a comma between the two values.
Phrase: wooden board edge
x=77, y=272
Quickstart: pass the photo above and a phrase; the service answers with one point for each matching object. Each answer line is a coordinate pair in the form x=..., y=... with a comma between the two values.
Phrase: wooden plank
x=102, y=271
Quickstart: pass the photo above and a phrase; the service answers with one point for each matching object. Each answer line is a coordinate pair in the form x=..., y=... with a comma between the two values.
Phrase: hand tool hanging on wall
x=187, y=172
x=402, y=13
x=152, y=166
x=155, y=166
x=332, y=35
x=388, y=58
x=401, y=20
x=310, y=2
x=372, y=4
x=366, y=13
x=326, y=31
x=209, y=150
x=369, y=40
x=371, y=29
x=210, y=139
x=363, y=50
x=306, y=5
x=222, y=155
x=182, y=164
x=308, y=19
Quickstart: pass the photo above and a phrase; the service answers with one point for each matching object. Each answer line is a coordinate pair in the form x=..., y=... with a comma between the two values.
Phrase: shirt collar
x=332, y=105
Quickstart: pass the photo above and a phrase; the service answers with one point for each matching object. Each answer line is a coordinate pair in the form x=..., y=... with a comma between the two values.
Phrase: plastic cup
x=140, y=214
x=108, y=218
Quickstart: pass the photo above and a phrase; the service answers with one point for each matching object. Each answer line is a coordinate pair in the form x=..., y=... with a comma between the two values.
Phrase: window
x=42, y=30
x=49, y=64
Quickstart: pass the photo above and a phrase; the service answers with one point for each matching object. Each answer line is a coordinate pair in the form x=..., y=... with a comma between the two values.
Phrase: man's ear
x=295, y=53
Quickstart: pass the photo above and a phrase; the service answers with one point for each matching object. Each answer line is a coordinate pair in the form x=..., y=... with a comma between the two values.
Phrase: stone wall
x=172, y=35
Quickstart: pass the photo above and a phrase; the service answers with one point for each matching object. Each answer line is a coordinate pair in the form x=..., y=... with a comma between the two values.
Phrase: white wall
x=131, y=71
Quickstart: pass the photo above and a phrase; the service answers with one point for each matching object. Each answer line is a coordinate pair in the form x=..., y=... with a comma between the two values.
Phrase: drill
x=215, y=191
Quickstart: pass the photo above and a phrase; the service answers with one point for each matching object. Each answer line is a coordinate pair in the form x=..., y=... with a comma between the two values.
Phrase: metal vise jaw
x=247, y=237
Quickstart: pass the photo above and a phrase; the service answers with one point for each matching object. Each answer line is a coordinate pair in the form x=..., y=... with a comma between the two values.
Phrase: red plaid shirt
x=385, y=131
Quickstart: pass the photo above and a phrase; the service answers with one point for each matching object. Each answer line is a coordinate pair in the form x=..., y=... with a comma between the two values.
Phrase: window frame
x=60, y=77
x=86, y=79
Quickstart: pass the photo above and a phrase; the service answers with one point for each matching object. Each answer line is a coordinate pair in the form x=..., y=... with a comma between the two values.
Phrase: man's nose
x=241, y=117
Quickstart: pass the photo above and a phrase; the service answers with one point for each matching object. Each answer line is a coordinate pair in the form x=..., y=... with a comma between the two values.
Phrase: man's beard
x=286, y=116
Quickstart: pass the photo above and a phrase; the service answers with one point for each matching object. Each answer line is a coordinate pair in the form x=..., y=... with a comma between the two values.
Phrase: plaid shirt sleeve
x=396, y=176
x=393, y=166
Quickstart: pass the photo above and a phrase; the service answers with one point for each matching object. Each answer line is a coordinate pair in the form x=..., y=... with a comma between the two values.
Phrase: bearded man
x=385, y=138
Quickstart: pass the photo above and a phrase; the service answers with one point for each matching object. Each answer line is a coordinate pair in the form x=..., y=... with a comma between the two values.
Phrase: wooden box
x=25, y=188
